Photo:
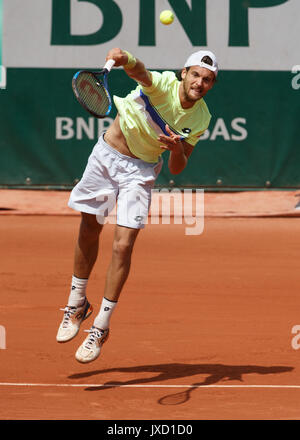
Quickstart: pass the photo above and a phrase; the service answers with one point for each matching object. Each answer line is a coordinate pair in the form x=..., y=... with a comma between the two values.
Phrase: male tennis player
x=162, y=113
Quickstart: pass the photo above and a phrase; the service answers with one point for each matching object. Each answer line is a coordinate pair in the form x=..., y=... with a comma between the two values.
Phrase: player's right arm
x=138, y=72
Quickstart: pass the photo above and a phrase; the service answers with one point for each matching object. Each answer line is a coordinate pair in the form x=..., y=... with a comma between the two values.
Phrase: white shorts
x=110, y=179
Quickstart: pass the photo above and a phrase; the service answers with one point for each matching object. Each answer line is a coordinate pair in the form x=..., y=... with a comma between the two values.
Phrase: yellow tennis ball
x=166, y=17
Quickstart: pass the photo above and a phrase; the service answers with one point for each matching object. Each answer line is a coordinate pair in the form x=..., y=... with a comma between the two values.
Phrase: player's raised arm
x=132, y=66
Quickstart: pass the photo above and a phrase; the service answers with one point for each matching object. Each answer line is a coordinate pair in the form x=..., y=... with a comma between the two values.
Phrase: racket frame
x=103, y=82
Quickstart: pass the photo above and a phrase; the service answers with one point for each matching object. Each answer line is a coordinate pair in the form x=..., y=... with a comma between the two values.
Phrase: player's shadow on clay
x=215, y=373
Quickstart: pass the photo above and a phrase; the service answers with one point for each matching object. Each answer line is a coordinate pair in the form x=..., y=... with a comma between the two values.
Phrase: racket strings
x=92, y=93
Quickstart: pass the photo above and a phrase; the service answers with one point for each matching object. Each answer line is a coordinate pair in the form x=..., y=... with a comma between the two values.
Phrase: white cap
x=196, y=60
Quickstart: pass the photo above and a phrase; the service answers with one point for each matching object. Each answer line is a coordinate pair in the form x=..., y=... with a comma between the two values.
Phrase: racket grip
x=109, y=65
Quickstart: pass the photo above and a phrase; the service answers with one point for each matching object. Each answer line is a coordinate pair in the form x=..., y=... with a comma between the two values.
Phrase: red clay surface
x=214, y=309
x=217, y=204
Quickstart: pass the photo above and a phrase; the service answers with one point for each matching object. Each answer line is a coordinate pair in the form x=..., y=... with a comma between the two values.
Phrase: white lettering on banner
x=67, y=128
x=80, y=128
x=64, y=128
x=220, y=130
x=243, y=132
x=83, y=126
x=73, y=33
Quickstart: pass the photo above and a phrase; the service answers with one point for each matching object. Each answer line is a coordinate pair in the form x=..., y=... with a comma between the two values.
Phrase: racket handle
x=109, y=65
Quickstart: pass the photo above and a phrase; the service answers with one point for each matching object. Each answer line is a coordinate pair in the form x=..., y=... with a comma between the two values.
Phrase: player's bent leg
x=87, y=246
x=118, y=271
x=117, y=274
x=78, y=308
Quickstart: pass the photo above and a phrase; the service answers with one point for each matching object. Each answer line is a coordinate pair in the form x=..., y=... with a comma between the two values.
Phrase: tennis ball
x=166, y=17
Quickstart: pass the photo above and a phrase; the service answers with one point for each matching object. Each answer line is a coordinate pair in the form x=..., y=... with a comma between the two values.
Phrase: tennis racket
x=91, y=90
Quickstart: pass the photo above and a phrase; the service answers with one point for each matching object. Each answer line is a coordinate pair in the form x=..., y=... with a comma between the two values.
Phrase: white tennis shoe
x=90, y=349
x=73, y=317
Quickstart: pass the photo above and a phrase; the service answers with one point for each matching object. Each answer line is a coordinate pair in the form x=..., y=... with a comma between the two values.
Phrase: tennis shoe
x=91, y=346
x=73, y=317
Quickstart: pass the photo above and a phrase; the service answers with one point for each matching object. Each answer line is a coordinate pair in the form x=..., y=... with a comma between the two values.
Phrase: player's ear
x=183, y=73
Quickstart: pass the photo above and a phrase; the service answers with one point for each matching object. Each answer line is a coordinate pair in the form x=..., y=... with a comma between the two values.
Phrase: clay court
x=203, y=329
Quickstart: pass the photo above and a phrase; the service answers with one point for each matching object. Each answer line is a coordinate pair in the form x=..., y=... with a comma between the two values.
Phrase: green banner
x=2, y=72
x=252, y=141
x=253, y=138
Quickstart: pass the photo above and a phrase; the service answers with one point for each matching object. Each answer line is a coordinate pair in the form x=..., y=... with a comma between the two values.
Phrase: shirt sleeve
x=160, y=83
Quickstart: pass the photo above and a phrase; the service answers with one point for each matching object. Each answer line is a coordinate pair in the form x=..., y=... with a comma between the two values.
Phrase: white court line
x=98, y=385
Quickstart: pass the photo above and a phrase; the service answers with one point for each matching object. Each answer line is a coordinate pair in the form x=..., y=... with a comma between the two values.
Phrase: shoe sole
x=89, y=309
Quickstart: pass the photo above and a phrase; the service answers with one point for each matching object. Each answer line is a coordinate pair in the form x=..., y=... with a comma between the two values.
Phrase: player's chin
x=195, y=95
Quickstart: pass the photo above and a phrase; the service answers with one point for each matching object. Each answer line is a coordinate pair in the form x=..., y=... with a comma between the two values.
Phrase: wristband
x=131, y=61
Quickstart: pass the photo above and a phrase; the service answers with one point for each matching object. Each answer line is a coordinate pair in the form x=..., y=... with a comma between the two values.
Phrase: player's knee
x=122, y=249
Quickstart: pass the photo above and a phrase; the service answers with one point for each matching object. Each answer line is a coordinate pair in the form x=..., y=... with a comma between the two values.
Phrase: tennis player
x=164, y=113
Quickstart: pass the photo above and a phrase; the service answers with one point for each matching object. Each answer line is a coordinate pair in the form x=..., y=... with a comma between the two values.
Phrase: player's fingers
x=168, y=129
x=166, y=143
x=171, y=133
x=175, y=137
x=169, y=140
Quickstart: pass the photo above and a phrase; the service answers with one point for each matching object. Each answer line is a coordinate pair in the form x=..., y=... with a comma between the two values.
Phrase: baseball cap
x=196, y=60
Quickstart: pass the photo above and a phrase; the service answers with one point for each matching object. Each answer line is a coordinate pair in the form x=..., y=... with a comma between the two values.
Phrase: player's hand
x=172, y=142
x=118, y=56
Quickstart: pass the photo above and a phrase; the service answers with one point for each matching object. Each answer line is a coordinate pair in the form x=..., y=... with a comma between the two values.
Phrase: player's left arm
x=180, y=151
x=134, y=67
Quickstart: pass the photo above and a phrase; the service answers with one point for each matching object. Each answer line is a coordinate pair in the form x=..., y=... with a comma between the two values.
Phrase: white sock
x=104, y=315
x=77, y=294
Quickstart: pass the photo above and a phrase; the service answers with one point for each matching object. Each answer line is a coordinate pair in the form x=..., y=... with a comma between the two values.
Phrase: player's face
x=196, y=82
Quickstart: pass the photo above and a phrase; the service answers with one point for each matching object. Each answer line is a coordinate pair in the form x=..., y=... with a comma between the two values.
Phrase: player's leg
x=136, y=180
x=118, y=270
x=94, y=195
x=87, y=245
x=116, y=277
x=85, y=256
